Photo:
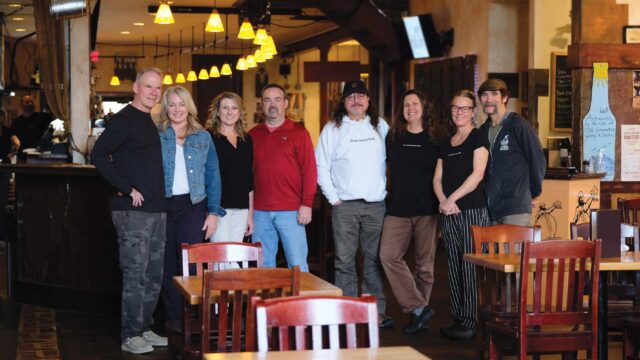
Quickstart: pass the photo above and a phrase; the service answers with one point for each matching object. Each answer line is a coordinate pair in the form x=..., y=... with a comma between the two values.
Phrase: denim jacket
x=201, y=161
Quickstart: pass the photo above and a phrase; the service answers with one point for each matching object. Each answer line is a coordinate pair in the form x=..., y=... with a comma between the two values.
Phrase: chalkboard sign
x=561, y=115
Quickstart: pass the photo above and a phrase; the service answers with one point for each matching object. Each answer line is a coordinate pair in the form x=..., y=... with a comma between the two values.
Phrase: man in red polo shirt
x=285, y=175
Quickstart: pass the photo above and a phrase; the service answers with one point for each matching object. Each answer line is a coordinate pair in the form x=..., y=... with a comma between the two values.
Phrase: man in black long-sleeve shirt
x=129, y=157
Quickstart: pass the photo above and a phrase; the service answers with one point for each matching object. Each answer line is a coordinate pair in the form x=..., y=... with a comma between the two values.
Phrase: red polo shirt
x=284, y=167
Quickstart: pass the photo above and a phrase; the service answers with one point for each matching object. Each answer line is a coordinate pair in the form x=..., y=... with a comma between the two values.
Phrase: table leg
x=603, y=336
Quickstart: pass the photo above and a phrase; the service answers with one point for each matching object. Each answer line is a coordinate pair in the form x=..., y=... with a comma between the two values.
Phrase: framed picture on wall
x=631, y=34
x=560, y=94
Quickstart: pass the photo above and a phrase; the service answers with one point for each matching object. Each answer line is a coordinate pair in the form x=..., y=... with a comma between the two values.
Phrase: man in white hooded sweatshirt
x=350, y=156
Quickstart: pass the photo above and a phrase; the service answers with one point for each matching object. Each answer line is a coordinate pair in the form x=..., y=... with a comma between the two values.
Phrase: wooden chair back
x=500, y=294
x=563, y=280
x=311, y=316
x=231, y=291
x=580, y=231
x=503, y=238
x=211, y=255
x=630, y=210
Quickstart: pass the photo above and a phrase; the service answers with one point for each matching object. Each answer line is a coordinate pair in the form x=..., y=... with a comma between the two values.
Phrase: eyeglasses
x=462, y=109
x=354, y=97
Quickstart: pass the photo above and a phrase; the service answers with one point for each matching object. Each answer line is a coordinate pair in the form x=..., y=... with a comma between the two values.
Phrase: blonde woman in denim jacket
x=192, y=185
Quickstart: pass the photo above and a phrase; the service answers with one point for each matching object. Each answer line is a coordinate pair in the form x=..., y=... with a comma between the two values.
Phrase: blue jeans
x=268, y=226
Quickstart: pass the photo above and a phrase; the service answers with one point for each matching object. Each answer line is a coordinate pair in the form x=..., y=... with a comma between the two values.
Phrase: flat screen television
x=421, y=36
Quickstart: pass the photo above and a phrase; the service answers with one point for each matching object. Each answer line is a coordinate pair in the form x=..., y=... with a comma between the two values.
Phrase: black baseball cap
x=354, y=87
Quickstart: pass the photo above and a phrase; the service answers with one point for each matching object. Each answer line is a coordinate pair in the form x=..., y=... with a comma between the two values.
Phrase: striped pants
x=456, y=235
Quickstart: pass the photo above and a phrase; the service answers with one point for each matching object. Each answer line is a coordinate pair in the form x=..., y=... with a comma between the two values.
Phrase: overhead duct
x=67, y=9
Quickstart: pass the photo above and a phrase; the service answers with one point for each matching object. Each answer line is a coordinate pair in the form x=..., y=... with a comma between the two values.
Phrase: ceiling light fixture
x=192, y=76
x=17, y=18
x=138, y=24
x=167, y=80
x=114, y=81
x=250, y=62
x=226, y=69
x=125, y=32
x=246, y=30
x=259, y=56
x=180, y=78
x=214, y=72
x=214, y=24
x=261, y=36
x=21, y=30
x=164, y=15
x=241, y=64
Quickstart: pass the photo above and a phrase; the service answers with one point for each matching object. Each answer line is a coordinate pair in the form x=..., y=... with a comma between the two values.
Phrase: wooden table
x=395, y=353
x=510, y=263
x=191, y=287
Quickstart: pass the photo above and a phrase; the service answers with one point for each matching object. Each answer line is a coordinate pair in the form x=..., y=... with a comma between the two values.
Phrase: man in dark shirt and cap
x=31, y=125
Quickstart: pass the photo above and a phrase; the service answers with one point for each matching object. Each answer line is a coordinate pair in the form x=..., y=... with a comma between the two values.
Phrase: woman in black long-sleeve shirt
x=235, y=154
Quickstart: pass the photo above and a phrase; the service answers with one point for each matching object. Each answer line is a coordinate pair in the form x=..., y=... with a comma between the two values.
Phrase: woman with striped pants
x=458, y=184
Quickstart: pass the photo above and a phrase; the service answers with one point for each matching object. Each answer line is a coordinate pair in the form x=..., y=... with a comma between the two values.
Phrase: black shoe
x=459, y=332
x=385, y=322
x=447, y=330
x=418, y=322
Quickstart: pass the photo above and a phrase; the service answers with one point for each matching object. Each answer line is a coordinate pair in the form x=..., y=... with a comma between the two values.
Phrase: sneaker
x=418, y=322
x=136, y=345
x=385, y=322
x=154, y=339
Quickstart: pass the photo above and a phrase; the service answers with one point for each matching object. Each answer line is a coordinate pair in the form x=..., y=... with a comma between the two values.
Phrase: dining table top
x=190, y=287
x=392, y=352
x=509, y=263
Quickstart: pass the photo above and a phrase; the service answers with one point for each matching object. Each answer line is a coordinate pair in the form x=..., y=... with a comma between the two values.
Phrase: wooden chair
x=231, y=291
x=559, y=319
x=195, y=259
x=631, y=346
x=498, y=300
x=304, y=316
x=630, y=209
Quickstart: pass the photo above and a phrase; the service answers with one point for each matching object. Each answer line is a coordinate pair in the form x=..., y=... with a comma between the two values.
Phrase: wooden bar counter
x=64, y=253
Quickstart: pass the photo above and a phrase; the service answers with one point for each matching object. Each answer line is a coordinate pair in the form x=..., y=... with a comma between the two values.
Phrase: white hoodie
x=351, y=160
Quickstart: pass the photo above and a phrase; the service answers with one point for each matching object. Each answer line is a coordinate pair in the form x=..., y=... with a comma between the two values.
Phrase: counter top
x=563, y=174
x=51, y=169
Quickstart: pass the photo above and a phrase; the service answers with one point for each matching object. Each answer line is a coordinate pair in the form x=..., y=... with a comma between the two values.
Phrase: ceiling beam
x=316, y=41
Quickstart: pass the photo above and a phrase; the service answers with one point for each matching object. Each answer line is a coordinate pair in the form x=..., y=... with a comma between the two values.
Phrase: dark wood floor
x=87, y=336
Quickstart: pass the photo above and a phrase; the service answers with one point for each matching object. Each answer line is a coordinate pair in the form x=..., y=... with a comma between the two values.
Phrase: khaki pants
x=411, y=289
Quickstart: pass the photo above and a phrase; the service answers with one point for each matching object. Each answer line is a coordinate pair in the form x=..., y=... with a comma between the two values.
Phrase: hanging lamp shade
x=164, y=15
x=250, y=62
x=261, y=36
x=191, y=76
x=226, y=69
x=167, y=80
x=269, y=47
x=180, y=78
x=214, y=72
x=258, y=56
x=115, y=81
x=246, y=30
x=203, y=74
x=241, y=64
x=215, y=22
x=267, y=56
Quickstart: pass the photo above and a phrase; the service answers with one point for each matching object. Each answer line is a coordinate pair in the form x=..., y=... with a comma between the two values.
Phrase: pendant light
x=241, y=64
x=246, y=30
x=250, y=62
x=164, y=15
x=115, y=81
x=214, y=24
x=259, y=56
x=261, y=36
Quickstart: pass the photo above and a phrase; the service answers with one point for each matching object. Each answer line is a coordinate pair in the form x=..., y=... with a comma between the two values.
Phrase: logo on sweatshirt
x=284, y=138
x=504, y=144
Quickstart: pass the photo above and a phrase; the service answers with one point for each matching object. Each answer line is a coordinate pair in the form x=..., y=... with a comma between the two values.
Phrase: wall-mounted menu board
x=561, y=119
